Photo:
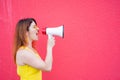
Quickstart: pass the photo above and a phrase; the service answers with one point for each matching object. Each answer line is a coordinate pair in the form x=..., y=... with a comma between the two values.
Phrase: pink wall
x=90, y=49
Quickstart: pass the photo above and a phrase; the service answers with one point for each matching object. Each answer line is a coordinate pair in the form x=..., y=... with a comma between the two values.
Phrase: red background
x=90, y=49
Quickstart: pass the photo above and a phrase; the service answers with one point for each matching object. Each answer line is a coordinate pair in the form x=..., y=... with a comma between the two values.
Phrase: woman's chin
x=36, y=39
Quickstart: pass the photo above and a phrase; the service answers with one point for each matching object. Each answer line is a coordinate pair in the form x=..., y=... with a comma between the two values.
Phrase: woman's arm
x=29, y=58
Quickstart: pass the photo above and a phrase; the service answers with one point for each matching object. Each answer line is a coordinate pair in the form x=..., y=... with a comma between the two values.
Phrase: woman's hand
x=51, y=41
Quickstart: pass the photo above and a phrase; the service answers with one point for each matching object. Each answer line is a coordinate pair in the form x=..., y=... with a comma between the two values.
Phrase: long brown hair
x=20, y=34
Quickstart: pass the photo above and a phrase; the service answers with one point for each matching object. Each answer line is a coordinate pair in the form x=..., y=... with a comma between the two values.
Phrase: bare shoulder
x=22, y=54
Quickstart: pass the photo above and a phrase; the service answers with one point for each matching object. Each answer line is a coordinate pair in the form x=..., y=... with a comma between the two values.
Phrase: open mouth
x=37, y=33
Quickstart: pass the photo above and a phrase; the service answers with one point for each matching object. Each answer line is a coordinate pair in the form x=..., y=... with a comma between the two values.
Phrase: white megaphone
x=57, y=31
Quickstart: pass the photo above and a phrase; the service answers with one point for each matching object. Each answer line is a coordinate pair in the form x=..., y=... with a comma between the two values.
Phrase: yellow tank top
x=27, y=72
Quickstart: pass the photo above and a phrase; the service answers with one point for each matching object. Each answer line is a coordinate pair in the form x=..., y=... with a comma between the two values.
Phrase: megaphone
x=57, y=31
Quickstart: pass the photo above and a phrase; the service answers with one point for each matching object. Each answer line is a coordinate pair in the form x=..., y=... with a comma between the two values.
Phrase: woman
x=29, y=63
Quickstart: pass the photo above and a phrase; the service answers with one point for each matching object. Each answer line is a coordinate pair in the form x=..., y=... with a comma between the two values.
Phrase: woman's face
x=33, y=31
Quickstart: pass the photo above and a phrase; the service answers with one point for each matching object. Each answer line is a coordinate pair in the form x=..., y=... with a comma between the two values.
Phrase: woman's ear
x=27, y=36
x=27, y=33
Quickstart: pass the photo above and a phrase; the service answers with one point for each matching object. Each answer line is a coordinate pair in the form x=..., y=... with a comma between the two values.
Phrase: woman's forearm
x=49, y=59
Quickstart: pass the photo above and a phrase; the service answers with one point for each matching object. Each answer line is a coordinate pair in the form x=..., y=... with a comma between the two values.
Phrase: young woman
x=29, y=63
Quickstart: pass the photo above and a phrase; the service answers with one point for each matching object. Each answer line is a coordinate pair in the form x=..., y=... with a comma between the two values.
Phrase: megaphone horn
x=57, y=31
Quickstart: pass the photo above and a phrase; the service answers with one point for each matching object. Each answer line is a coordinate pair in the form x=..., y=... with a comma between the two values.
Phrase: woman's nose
x=37, y=28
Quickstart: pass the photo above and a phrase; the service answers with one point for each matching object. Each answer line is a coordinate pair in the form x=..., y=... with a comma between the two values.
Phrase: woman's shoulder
x=22, y=50
x=21, y=53
x=25, y=52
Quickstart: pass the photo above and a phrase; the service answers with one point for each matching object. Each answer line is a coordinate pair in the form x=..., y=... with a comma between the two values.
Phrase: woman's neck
x=29, y=44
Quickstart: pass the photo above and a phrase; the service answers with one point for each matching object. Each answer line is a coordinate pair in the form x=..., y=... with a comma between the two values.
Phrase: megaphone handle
x=49, y=36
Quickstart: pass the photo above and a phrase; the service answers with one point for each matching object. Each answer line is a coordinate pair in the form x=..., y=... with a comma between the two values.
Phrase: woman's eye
x=34, y=27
